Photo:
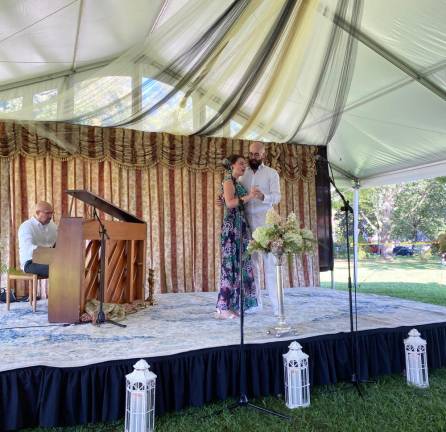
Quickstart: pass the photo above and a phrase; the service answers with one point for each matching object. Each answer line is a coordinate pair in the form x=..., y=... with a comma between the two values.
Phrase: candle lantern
x=297, y=382
x=140, y=399
x=416, y=360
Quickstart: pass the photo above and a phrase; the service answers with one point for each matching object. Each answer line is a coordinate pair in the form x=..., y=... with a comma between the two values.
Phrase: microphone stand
x=243, y=400
x=354, y=353
x=103, y=235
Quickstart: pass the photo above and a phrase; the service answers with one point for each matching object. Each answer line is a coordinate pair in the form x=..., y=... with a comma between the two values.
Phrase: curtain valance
x=140, y=150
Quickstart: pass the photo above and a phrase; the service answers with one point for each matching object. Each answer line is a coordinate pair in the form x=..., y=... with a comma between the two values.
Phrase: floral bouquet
x=280, y=236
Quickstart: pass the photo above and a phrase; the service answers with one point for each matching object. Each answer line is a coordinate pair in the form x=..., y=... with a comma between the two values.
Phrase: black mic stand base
x=244, y=402
x=101, y=320
x=355, y=382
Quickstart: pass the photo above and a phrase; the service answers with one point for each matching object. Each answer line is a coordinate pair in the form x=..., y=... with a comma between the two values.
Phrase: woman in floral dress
x=234, y=221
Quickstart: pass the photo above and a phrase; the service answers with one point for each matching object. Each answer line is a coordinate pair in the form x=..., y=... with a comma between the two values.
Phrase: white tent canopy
x=393, y=125
x=393, y=128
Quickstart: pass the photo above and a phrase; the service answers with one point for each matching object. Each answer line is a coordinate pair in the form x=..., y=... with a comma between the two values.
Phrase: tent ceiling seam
x=34, y=62
x=383, y=91
x=403, y=170
x=61, y=74
x=37, y=22
x=396, y=61
x=160, y=14
x=76, y=41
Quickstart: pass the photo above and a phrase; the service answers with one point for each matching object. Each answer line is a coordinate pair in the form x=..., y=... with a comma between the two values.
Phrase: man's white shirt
x=267, y=180
x=33, y=234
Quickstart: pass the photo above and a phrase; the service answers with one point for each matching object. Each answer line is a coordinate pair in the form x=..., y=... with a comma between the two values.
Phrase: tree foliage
x=420, y=210
x=405, y=212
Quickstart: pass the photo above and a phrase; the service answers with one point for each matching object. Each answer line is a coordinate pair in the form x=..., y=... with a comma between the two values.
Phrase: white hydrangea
x=272, y=217
x=261, y=236
x=281, y=236
x=307, y=234
x=292, y=218
x=294, y=240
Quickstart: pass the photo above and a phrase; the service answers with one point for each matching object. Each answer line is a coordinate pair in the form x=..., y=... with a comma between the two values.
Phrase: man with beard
x=266, y=181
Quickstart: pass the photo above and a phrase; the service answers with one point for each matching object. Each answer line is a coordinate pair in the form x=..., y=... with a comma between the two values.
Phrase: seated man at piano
x=37, y=231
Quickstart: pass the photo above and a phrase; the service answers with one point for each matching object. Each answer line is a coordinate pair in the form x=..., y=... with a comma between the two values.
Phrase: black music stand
x=101, y=315
x=97, y=202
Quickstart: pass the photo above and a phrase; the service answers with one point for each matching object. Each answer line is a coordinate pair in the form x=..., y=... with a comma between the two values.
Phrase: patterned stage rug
x=185, y=322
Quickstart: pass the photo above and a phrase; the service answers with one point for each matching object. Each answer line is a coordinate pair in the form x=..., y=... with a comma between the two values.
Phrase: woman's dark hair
x=231, y=160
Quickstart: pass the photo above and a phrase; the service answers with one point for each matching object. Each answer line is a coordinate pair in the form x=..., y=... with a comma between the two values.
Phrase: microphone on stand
x=321, y=158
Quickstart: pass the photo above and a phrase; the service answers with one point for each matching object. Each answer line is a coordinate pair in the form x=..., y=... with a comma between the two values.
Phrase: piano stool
x=31, y=280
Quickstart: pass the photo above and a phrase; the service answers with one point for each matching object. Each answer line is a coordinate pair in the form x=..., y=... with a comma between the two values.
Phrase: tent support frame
x=396, y=61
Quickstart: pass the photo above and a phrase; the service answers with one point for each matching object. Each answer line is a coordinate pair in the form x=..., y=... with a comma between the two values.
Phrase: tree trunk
x=386, y=209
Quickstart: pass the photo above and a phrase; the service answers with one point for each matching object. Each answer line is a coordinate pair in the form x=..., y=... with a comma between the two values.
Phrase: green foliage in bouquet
x=281, y=236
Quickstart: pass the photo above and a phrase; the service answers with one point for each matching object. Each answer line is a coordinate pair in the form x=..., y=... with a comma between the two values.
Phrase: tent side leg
x=355, y=233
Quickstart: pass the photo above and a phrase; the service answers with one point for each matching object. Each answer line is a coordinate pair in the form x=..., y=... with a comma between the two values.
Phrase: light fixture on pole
x=140, y=399
x=416, y=360
x=297, y=381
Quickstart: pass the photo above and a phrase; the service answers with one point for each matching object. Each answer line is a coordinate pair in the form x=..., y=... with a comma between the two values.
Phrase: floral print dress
x=234, y=220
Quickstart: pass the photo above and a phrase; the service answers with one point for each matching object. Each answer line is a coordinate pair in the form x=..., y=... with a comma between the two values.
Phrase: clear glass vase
x=281, y=328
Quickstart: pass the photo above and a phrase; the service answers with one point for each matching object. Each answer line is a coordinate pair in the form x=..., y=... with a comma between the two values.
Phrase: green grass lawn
x=405, y=277
x=389, y=405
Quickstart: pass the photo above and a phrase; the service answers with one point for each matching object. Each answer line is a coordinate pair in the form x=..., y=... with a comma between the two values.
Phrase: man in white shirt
x=266, y=181
x=40, y=230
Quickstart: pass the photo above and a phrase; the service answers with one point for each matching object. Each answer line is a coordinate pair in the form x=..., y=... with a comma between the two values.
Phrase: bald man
x=39, y=230
x=266, y=181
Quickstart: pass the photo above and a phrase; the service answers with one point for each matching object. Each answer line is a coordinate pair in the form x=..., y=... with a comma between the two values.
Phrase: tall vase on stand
x=281, y=237
x=281, y=328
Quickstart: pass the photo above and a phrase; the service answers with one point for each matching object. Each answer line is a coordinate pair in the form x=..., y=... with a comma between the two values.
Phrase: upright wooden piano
x=74, y=263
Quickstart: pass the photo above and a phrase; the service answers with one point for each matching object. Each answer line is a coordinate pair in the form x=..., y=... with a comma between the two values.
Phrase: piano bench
x=31, y=279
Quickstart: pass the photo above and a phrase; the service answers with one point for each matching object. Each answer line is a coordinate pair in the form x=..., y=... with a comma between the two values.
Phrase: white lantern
x=416, y=360
x=297, y=381
x=140, y=399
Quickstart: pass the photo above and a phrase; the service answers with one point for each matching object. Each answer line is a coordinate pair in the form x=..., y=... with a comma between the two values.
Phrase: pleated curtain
x=174, y=190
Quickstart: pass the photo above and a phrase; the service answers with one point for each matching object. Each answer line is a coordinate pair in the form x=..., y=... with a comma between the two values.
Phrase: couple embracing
x=250, y=189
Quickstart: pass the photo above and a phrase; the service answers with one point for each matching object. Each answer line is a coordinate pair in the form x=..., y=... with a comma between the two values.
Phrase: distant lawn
x=404, y=277
x=388, y=406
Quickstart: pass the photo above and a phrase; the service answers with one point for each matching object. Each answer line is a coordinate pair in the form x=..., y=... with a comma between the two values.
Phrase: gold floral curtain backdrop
x=169, y=181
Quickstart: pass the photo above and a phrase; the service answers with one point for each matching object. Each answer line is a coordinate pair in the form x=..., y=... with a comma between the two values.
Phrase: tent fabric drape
x=174, y=190
x=392, y=127
x=271, y=71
